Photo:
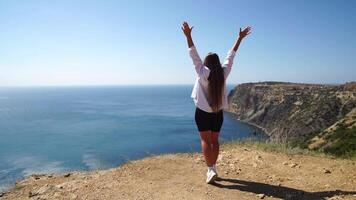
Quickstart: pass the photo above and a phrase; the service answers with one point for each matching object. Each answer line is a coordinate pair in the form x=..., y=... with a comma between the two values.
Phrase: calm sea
x=58, y=129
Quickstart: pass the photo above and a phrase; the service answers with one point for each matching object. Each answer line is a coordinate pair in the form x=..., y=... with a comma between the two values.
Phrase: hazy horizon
x=94, y=43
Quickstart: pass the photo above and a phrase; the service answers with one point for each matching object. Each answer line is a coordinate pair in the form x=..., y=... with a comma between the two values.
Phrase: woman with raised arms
x=210, y=96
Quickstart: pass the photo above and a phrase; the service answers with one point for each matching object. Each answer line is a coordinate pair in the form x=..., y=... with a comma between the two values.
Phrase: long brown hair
x=216, y=81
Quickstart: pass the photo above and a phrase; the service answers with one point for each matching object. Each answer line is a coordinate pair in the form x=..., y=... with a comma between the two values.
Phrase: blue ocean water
x=58, y=129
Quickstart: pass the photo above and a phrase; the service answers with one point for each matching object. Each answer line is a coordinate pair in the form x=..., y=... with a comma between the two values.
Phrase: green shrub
x=343, y=142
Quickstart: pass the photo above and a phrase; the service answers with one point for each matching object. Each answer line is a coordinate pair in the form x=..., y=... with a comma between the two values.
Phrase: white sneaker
x=210, y=176
x=214, y=168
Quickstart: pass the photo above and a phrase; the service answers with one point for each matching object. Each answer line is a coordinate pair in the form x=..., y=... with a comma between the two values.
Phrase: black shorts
x=208, y=121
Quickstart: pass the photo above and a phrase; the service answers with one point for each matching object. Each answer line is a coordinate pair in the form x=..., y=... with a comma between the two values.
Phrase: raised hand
x=186, y=29
x=188, y=33
x=245, y=32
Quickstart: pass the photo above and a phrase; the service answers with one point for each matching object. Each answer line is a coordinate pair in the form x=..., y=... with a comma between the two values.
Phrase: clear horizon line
x=158, y=84
x=104, y=85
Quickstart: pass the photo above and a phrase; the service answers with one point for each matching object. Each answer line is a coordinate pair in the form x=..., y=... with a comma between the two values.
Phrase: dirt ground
x=245, y=173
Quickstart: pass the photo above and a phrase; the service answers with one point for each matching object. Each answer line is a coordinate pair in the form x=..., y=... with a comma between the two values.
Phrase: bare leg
x=205, y=137
x=215, y=146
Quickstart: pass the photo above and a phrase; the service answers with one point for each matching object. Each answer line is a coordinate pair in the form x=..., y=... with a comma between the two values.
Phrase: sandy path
x=246, y=173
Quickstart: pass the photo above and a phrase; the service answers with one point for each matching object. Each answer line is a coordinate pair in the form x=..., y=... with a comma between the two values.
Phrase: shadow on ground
x=277, y=191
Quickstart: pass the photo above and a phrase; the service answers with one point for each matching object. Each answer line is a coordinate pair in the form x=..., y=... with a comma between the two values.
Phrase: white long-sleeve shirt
x=200, y=90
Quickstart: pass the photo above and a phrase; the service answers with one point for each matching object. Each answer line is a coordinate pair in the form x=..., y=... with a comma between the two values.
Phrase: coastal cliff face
x=294, y=111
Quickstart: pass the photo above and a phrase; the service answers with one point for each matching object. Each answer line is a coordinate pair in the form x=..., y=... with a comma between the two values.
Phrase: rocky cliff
x=289, y=111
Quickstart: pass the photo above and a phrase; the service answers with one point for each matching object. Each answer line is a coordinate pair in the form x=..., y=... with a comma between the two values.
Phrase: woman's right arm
x=188, y=33
x=199, y=67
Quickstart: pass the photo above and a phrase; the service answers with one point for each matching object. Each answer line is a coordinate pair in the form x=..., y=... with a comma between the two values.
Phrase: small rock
x=285, y=163
x=261, y=196
x=254, y=165
x=44, y=189
x=293, y=165
x=326, y=171
x=280, y=179
x=60, y=186
x=31, y=194
x=66, y=175
x=334, y=198
x=226, y=172
x=36, y=176
x=258, y=157
x=73, y=196
x=298, y=103
x=279, y=184
x=40, y=191
x=56, y=195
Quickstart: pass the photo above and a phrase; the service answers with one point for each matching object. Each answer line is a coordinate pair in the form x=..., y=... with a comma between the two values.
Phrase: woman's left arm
x=231, y=54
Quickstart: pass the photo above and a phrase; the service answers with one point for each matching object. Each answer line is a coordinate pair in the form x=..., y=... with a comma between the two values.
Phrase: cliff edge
x=246, y=172
x=318, y=115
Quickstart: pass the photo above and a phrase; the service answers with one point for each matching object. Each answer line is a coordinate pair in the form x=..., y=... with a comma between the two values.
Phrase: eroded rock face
x=289, y=110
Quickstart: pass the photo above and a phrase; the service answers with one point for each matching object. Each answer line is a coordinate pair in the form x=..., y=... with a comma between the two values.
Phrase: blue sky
x=136, y=42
